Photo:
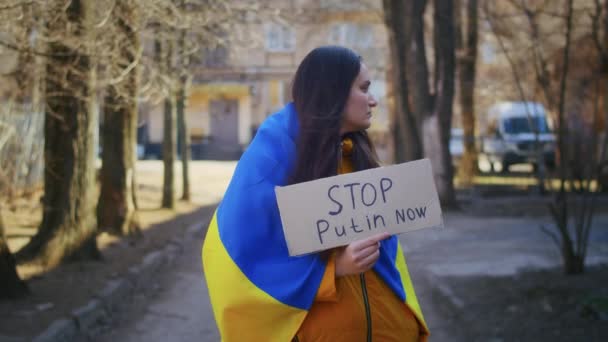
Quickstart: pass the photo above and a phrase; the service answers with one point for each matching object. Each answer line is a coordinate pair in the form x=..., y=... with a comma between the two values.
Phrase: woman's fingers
x=365, y=252
x=359, y=256
x=369, y=261
x=367, y=257
x=370, y=241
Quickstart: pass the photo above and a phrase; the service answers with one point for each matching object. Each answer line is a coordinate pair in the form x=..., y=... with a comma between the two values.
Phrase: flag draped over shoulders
x=258, y=292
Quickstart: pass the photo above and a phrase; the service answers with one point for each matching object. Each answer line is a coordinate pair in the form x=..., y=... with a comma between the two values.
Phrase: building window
x=216, y=57
x=280, y=38
x=352, y=35
x=358, y=5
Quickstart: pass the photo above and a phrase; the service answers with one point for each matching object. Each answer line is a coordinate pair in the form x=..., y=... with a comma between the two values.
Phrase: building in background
x=236, y=87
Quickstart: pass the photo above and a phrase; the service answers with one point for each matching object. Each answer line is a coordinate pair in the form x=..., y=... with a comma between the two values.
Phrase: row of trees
x=84, y=57
x=423, y=100
x=553, y=51
x=79, y=57
x=565, y=46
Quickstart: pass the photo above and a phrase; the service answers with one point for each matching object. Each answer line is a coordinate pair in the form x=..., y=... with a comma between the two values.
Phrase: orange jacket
x=345, y=308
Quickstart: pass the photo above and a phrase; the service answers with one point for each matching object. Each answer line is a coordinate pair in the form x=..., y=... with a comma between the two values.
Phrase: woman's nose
x=372, y=101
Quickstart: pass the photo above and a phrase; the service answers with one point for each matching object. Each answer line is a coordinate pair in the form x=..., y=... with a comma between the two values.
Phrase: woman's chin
x=360, y=126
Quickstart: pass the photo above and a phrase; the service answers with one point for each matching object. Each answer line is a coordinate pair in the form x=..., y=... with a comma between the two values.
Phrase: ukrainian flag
x=258, y=292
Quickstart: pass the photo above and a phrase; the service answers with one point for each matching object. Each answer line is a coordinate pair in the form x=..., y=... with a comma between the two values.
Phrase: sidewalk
x=452, y=268
x=500, y=279
x=74, y=299
x=477, y=279
x=174, y=306
x=469, y=277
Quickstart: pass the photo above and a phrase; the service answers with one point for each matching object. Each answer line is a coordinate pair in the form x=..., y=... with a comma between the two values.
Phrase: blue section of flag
x=250, y=225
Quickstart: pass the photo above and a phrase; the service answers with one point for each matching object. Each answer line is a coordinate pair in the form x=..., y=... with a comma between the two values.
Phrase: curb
x=89, y=318
x=61, y=330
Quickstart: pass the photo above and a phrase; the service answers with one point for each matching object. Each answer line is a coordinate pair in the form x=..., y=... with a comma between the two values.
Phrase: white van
x=509, y=136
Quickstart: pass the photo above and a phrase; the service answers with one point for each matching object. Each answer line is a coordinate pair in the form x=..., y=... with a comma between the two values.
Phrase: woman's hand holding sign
x=359, y=256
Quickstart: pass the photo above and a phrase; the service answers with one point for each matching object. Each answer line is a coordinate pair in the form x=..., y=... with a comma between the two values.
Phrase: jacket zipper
x=368, y=313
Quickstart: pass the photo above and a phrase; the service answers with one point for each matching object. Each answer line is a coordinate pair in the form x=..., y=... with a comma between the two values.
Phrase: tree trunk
x=11, y=286
x=418, y=70
x=467, y=58
x=603, y=89
x=116, y=207
x=184, y=139
x=182, y=123
x=168, y=200
x=574, y=263
x=434, y=110
x=406, y=134
x=68, y=225
x=444, y=99
x=542, y=79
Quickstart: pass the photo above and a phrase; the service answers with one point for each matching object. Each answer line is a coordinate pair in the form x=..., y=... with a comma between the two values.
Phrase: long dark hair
x=321, y=88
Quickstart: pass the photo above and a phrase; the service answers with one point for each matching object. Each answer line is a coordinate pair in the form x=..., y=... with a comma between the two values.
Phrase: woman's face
x=358, y=109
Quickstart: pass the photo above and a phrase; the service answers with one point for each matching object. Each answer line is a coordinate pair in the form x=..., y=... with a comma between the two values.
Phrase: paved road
x=494, y=245
x=176, y=306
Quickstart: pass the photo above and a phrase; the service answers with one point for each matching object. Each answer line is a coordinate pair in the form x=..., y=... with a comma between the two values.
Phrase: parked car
x=456, y=145
x=512, y=134
x=141, y=151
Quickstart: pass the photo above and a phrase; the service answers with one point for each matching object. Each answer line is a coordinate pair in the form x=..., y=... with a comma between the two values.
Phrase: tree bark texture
x=406, y=135
x=182, y=122
x=466, y=45
x=444, y=99
x=433, y=107
x=573, y=257
x=11, y=286
x=116, y=210
x=168, y=200
x=428, y=120
x=169, y=132
x=418, y=70
x=68, y=225
x=603, y=89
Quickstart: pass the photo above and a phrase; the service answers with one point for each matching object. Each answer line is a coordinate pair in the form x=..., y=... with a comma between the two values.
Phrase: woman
x=360, y=292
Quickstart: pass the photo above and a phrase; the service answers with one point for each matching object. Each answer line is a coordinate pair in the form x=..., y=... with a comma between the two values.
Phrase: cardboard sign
x=336, y=211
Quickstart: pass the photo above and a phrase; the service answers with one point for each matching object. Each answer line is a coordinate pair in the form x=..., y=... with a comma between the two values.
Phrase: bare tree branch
x=552, y=235
x=15, y=5
x=563, y=131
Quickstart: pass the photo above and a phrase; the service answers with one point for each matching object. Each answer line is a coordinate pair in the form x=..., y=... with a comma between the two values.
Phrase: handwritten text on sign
x=335, y=211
